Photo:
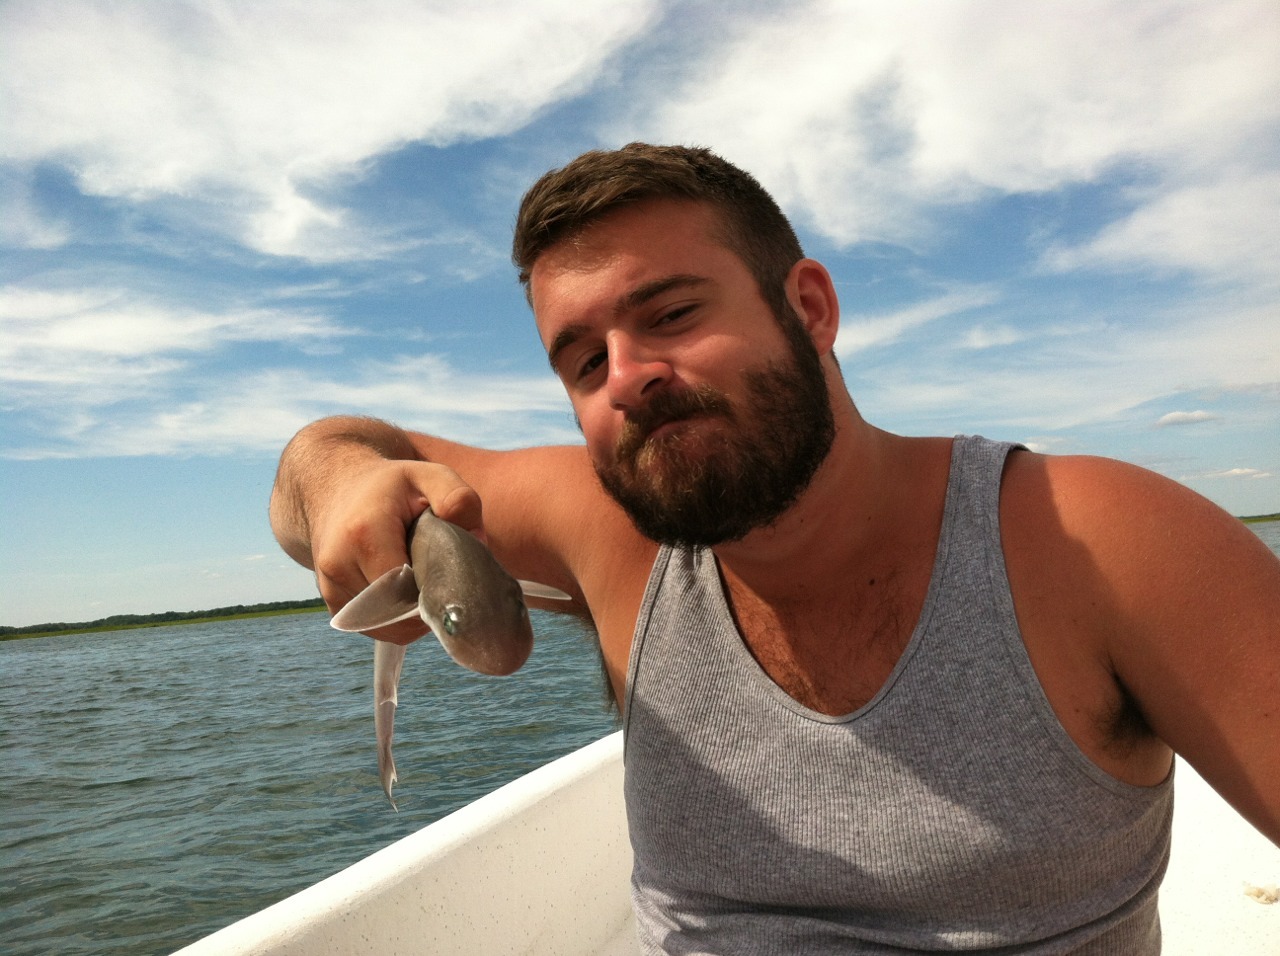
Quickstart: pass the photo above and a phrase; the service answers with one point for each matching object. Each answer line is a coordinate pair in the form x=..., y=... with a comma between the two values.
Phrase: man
x=881, y=694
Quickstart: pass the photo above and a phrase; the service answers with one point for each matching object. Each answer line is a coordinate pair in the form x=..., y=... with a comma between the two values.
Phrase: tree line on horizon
x=171, y=617
x=164, y=617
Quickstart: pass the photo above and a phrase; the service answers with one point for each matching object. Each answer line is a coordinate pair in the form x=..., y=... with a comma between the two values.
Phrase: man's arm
x=1180, y=603
x=348, y=488
x=345, y=492
x=1198, y=594
x=320, y=465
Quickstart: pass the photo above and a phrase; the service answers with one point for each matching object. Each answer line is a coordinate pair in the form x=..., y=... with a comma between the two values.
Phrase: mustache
x=668, y=406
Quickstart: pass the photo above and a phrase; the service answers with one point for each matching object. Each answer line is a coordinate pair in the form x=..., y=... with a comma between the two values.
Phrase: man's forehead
x=650, y=234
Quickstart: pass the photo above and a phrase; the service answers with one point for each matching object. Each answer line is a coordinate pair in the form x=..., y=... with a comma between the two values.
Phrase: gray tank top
x=951, y=813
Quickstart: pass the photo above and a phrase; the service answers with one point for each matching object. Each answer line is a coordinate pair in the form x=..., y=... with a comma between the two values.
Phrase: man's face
x=705, y=415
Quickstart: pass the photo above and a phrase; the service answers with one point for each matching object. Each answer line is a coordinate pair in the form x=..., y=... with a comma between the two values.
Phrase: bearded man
x=880, y=694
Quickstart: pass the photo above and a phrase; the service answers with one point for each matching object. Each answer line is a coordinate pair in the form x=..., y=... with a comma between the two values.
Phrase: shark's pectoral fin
x=391, y=598
x=547, y=592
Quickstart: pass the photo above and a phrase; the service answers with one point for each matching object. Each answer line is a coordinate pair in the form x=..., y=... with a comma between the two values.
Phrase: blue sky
x=1056, y=222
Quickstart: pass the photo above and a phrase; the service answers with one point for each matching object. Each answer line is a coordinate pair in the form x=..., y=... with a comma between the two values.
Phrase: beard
x=701, y=487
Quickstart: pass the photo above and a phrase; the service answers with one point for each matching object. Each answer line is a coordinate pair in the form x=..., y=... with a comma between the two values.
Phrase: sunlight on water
x=160, y=783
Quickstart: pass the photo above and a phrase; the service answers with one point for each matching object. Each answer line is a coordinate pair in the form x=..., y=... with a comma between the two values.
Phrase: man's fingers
x=449, y=497
x=364, y=535
x=358, y=546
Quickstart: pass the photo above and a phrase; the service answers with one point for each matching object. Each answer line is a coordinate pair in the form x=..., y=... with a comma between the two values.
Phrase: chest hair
x=833, y=656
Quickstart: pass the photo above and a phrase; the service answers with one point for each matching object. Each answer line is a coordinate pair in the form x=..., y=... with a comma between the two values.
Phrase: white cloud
x=1186, y=418
x=988, y=337
x=42, y=322
x=254, y=106
x=1044, y=445
x=105, y=372
x=209, y=412
x=1242, y=475
x=91, y=347
x=1228, y=229
x=867, y=119
x=1245, y=473
x=861, y=332
x=1079, y=372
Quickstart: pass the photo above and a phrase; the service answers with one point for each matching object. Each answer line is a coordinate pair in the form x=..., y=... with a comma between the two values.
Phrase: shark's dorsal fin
x=391, y=598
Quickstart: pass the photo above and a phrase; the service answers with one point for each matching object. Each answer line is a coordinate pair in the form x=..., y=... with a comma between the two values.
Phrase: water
x=159, y=783
x=1269, y=532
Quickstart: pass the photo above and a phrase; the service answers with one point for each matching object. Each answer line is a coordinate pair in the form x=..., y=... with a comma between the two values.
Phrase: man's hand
x=345, y=495
x=363, y=533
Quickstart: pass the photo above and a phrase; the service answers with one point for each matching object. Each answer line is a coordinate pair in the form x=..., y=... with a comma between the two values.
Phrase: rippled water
x=1269, y=532
x=159, y=783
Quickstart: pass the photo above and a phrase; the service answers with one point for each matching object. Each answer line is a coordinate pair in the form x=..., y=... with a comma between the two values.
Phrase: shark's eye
x=452, y=619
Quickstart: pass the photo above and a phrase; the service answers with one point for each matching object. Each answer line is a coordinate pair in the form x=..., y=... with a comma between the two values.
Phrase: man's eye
x=674, y=315
x=590, y=364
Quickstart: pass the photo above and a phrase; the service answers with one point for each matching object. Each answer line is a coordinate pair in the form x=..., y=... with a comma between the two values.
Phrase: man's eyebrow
x=564, y=338
x=651, y=290
x=632, y=300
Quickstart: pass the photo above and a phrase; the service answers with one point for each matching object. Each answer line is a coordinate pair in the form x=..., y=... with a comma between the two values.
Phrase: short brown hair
x=566, y=200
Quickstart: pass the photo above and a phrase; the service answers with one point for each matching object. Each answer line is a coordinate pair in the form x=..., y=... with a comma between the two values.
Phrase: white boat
x=539, y=866
x=542, y=866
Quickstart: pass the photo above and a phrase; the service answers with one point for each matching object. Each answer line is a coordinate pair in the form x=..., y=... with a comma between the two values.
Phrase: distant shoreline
x=1258, y=519
x=124, y=622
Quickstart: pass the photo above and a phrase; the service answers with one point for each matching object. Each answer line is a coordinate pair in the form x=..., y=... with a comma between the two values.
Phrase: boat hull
x=542, y=866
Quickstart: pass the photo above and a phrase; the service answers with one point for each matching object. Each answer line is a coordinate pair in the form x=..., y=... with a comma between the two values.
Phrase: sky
x=1056, y=223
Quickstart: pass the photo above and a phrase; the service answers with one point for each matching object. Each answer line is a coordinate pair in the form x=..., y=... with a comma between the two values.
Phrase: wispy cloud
x=924, y=107
x=106, y=345
x=994, y=336
x=205, y=411
x=1086, y=368
x=861, y=332
x=1220, y=230
x=1246, y=473
x=257, y=109
x=1186, y=418
x=114, y=322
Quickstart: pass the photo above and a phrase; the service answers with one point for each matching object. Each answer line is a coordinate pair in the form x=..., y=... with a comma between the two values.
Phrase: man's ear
x=813, y=296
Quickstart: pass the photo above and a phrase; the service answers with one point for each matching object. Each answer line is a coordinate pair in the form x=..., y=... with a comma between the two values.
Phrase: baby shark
x=457, y=587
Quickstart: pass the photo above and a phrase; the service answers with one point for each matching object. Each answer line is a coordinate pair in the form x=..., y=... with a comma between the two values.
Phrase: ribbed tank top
x=951, y=813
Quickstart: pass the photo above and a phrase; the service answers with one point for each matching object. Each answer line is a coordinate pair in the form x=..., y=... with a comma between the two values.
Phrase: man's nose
x=634, y=373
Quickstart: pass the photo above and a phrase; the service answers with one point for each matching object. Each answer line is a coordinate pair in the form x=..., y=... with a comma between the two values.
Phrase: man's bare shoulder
x=1118, y=512
x=1130, y=539
x=1174, y=597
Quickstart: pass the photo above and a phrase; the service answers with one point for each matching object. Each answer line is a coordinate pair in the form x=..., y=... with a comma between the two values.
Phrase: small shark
x=476, y=610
